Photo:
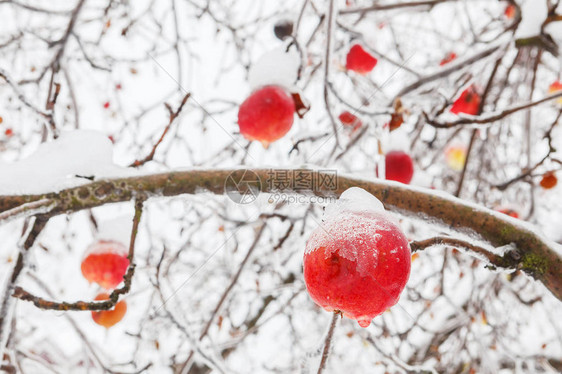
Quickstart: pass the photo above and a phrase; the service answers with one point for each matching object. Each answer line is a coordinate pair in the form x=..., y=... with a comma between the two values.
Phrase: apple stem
x=328, y=341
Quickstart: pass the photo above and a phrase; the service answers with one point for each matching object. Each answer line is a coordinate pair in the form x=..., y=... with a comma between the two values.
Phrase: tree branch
x=538, y=257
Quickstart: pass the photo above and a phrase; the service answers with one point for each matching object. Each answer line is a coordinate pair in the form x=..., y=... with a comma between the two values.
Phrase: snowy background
x=123, y=60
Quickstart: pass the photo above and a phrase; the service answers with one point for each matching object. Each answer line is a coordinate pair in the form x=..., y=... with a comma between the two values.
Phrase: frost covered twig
x=491, y=117
x=328, y=342
x=394, y=5
x=226, y=292
x=493, y=259
x=7, y=301
x=40, y=206
x=172, y=117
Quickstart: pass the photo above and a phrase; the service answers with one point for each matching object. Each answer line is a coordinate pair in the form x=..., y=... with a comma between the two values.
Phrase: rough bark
x=533, y=254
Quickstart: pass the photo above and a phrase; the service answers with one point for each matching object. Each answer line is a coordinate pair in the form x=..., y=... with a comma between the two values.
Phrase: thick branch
x=538, y=257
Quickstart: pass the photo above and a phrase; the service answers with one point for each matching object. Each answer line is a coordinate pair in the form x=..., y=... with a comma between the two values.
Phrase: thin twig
x=42, y=303
x=328, y=342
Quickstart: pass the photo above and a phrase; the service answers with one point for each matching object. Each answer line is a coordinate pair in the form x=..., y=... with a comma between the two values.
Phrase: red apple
x=399, y=167
x=108, y=318
x=510, y=212
x=468, y=102
x=549, y=180
x=359, y=60
x=350, y=121
x=510, y=11
x=266, y=115
x=448, y=58
x=105, y=263
x=357, y=263
x=555, y=87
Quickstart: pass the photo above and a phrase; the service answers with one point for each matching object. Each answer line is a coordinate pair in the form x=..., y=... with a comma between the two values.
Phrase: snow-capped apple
x=350, y=121
x=358, y=261
x=468, y=102
x=283, y=29
x=266, y=115
x=549, y=180
x=399, y=166
x=455, y=156
x=105, y=263
x=359, y=60
x=555, y=87
x=108, y=318
x=448, y=58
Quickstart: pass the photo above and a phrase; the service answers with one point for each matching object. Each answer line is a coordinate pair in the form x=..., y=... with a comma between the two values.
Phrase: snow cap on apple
x=268, y=113
x=358, y=261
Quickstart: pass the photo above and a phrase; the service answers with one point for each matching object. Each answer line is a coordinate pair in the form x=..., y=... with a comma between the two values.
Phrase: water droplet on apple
x=364, y=322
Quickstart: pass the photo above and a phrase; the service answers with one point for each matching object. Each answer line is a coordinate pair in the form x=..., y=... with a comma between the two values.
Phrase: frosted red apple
x=108, y=318
x=357, y=263
x=359, y=60
x=399, y=167
x=350, y=121
x=468, y=102
x=105, y=263
x=266, y=115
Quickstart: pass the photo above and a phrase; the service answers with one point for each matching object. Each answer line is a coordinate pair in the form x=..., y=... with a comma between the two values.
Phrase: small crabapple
x=468, y=102
x=510, y=11
x=359, y=60
x=357, y=263
x=455, y=156
x=108, y=318
x=399, y=167
x=350, y=121
x=105, y=263
x=266, y=115
x=549, y=180
x=555, y=87
x=448, y=58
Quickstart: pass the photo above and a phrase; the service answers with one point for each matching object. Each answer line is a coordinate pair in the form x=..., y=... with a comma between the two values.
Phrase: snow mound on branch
x=533, y=15
x=62, y=163
x=279, y=66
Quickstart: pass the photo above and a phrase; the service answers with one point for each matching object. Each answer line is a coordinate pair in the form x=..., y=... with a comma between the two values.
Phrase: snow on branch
x=532, y=253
